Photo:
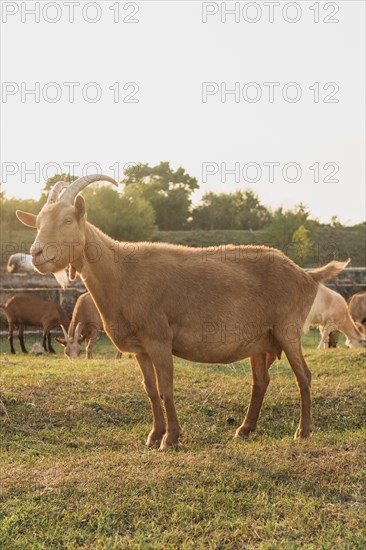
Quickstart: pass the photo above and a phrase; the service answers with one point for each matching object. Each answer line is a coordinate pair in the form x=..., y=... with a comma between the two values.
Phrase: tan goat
x=216, y=305
x=85, y=325
x=24, y=309
x=357, y=309
x=329, y=312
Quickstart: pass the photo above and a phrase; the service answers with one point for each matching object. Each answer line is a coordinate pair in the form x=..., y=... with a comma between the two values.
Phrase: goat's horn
x=55, y=191
x=78, y=185
x=65, y=333
x=76, y=334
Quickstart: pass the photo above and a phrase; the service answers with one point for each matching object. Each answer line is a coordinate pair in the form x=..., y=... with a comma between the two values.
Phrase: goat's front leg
x=260, y=381
x=163, y=364
x=148, y=373
x=93, y=337
x=303, y=377
x=325, y=331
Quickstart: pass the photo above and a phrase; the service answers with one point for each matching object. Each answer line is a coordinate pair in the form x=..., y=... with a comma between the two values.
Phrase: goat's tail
x=328, y=271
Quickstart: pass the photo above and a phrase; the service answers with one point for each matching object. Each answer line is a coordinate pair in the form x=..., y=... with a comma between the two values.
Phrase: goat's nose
x=36, y=249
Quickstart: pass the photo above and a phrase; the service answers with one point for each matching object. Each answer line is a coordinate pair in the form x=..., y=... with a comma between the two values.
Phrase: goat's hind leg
x=10, y=337
x=148, y=372
x=44, y=342
x=260, y=381
x=50, y=348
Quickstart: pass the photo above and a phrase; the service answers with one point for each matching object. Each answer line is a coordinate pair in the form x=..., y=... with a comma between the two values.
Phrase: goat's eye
x=68, y=221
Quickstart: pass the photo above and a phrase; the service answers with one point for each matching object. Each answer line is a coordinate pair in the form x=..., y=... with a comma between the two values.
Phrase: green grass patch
x=75, y=472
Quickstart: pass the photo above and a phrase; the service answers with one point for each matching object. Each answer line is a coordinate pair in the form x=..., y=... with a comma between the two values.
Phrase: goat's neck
x=100, y=268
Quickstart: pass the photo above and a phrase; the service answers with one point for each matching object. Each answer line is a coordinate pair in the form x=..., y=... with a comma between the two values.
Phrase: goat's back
x=35, y=311
x=86, y=313
x=246, y=283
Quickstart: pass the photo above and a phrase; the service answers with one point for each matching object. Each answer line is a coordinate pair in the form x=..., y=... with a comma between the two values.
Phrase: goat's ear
x=26, y=218
x=79, y=205
x=61, y=341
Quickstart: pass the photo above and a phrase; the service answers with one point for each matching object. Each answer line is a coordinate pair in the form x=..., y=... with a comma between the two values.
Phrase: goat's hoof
x=243, y=433
x=154, y=439
x=302, y=433
x=169, y=442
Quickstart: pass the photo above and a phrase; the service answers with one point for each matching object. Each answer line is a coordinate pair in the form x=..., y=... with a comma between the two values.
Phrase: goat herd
x=158, y=300
x=24, y=310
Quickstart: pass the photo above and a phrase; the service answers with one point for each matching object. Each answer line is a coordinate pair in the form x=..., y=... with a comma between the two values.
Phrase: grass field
x=75, y=472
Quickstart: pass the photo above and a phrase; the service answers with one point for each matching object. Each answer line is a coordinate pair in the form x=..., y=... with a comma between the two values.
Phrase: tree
x=216, y=211
x=124, y=216
x=284, y=224
x=251, y=213
x=301, y=250
x=9, y=221
x=239, y=210
x=168, y=192
x=335, y=222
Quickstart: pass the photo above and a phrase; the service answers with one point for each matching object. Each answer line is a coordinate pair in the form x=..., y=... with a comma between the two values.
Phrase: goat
x=20, y=263
x=357, y=309
x=85, y=325
x=156, y=300
x=25, y=309
x=329, y=311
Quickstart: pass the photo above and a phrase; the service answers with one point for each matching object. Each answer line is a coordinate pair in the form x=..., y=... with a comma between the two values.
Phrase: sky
x=269, y=96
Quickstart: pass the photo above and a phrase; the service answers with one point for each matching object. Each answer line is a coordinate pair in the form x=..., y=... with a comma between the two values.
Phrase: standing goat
x=216, y=305
x=357, y=309
x=24, y=309
x=329, y=311
x=85, y=325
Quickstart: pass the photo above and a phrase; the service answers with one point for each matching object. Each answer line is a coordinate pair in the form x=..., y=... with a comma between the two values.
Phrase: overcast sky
x=292, y=130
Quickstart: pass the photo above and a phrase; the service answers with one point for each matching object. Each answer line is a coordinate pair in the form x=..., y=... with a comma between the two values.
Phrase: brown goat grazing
x=24, y=309
x=216, y=305
x=357, y=309
x=85, y=325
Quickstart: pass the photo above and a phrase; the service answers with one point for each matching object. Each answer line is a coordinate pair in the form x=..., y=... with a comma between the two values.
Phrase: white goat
x=330, y=312
x=20, y=263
